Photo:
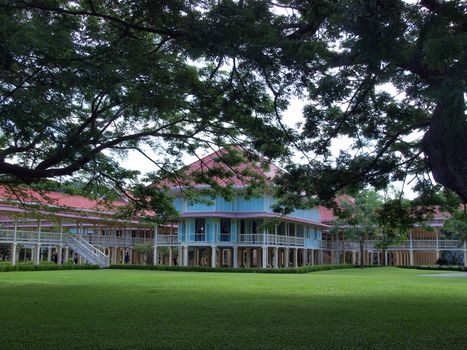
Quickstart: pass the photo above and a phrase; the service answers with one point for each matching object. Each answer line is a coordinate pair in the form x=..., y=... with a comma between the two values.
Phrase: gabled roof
x=213, y=161
x=327, y=215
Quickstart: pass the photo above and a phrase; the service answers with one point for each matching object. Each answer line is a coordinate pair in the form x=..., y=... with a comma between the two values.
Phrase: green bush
x=436, y=268
x=303, y=269
x=46, y=267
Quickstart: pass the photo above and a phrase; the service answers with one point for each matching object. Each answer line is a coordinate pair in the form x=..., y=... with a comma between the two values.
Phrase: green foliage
x=456, y=225
x=46, y=267
x=85, y=83
x=302, y=269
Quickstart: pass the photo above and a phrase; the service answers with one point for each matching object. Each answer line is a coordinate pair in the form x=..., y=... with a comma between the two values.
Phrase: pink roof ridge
x=211, y=161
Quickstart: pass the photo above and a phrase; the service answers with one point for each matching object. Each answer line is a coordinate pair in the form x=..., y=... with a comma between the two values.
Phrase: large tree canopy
x=83, y=81
x=80, y=77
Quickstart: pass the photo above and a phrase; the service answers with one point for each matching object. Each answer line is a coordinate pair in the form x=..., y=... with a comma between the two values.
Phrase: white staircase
x=87, y=251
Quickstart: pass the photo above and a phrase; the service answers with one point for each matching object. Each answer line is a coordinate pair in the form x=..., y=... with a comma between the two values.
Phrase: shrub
x=303, y=269
x=436, y=268
x=46, y=267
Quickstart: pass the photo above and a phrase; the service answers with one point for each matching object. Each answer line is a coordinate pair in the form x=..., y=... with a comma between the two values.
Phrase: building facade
x=242, y=232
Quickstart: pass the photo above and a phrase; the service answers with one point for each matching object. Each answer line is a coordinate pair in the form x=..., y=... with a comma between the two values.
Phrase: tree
x=93, y=62
x=395, y=217
x=457, y=225
x=146, y=252
x=85, y=82
x=358, y=218
x=347, y=51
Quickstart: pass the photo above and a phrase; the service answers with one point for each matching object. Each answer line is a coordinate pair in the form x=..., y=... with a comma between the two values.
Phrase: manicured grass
x=377, y=308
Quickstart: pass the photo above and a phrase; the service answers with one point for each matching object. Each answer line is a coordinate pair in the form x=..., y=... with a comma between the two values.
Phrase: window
x=291, y=229
x=200, y=225
x=242, y=227
x=225, y=226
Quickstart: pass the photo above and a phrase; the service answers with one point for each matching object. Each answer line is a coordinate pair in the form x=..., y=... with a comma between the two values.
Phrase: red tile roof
x=213, y=161
x=327, y=215
x=56, y=199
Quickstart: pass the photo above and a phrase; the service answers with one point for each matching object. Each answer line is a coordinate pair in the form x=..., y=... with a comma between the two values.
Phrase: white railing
x=254, y=238
x=29, y=237
x=268, y=239
x=404, y=245
x=167, y=239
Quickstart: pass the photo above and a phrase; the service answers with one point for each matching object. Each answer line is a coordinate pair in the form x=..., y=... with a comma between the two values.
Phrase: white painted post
x=196, y=256
x=287, y=256
x=235, y=256
x=13, y=246
x=276, y=257
x=185, y=255
x=13, y=254
x=213, y=256
x=67, y=254
x=312, y=257
x=295, y=257
x=170, y=256
x=156, y=256
x=248, y=257
x=264, y=259
x=411, y=258
x=37, y=255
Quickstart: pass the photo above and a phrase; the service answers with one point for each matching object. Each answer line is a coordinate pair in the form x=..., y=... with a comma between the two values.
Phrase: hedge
x=436, y=268
x=303, y=269
x=46, y=267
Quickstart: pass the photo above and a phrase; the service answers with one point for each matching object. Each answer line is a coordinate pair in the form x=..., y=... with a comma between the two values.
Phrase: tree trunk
x=445, y=143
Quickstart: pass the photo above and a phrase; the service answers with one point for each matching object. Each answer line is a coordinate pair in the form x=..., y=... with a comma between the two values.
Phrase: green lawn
x=117, y=309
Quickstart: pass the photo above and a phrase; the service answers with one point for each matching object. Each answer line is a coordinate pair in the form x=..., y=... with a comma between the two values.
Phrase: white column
x=213, y=256
x=67, y=253
x=185, y=255
x=276, y=257
x=235, y=256
x=170, y=256
x=59, y=255
x=196, y=255
x=156, y=256
x=37, y=256
x=13, y=254
x=248, y=257
x=354, y=257
x=264, y=259
x=287, y=255
x=312, y=256
x=295, y=257
x=49, y=254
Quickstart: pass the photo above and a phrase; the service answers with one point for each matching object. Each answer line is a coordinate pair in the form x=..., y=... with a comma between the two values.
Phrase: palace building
x=242, y=232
